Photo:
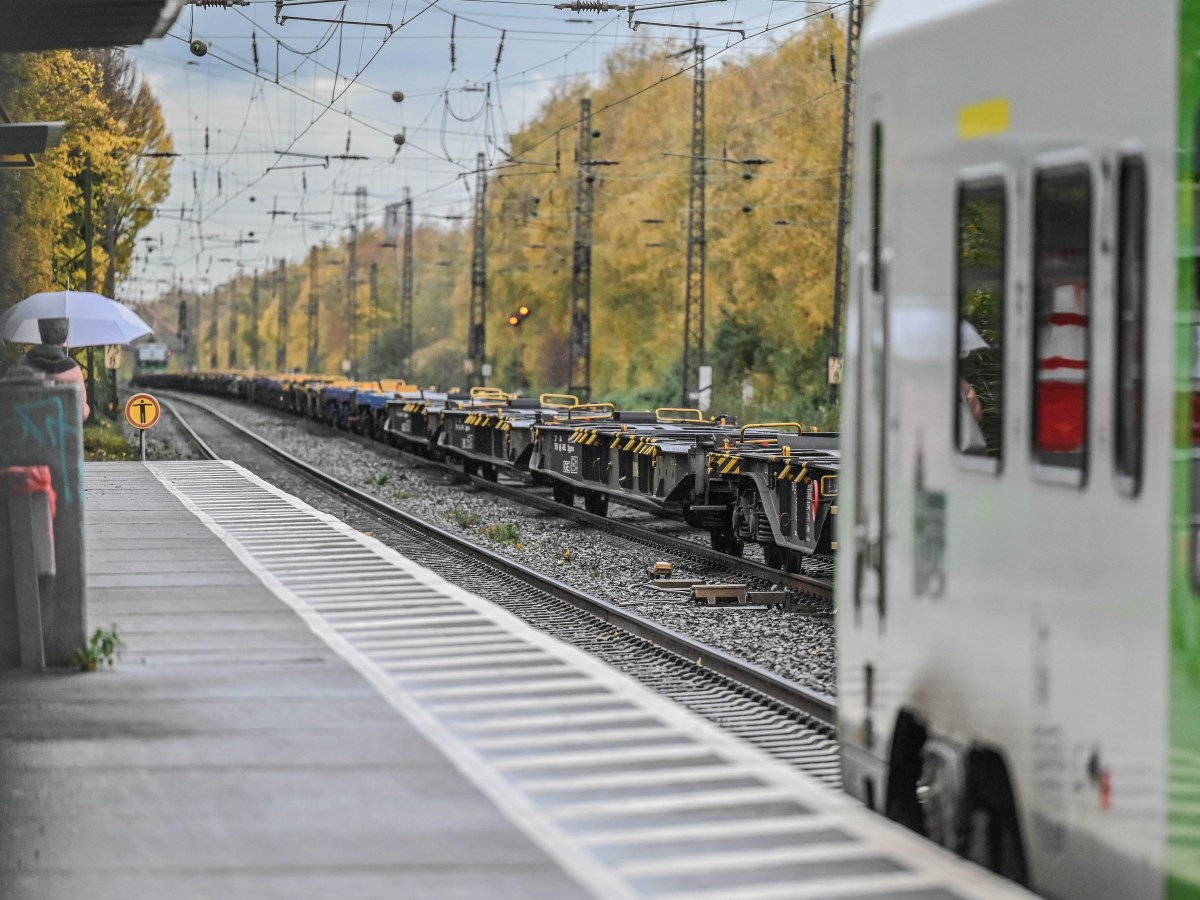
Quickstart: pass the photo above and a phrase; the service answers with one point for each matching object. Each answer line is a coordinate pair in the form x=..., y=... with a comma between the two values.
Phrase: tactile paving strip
x=632, y=794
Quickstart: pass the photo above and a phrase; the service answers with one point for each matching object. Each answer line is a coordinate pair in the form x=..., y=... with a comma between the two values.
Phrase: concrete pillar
x=40, y=425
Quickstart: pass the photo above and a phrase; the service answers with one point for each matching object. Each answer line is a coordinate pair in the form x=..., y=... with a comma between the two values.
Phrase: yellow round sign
x=141, y=411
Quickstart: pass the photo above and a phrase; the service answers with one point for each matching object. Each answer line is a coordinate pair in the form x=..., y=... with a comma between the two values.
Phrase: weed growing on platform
x=463, y=518
x=105, y=643
x=503, y=533
x=104, y=443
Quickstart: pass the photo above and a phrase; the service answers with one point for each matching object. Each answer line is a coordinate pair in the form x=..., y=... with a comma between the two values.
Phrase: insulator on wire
x=832, y=63
x=254, y=50
x=453, y=23
x=347, y=140
x=590, y=6
x=206, y=140
x=500, y=49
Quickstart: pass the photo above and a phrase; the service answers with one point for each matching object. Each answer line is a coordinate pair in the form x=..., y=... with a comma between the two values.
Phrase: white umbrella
x=94, y=319
x=969, y=339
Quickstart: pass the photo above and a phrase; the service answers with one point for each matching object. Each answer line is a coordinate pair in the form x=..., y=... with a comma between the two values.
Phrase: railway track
x=815, y=594
x=789, y=720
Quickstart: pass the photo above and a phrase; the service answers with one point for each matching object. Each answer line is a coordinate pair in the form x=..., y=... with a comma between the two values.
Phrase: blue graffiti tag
x=43, y=424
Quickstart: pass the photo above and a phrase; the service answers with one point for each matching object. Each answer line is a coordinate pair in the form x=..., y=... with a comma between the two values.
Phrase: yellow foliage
x=770, y=242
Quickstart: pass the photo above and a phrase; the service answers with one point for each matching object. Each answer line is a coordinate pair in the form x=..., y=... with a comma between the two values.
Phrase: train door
x=873, y=276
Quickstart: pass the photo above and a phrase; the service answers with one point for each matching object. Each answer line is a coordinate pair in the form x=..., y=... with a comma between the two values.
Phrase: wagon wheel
x=596, y=502
x=773, y=555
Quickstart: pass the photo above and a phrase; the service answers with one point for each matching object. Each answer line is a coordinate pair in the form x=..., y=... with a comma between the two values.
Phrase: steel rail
x=820, y=706
x=819, y=589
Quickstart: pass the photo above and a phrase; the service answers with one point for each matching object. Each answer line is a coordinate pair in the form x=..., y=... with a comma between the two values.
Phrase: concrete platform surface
x=230, y=753
x=303, y=712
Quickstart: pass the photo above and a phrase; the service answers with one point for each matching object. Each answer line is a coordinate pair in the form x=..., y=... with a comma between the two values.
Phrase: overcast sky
x=253, y=139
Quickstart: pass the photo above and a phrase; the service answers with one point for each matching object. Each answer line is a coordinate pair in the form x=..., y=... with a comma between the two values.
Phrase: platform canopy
x=62, y=24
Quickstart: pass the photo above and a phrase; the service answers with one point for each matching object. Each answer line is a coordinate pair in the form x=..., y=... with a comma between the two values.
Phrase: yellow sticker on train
x=984, y=119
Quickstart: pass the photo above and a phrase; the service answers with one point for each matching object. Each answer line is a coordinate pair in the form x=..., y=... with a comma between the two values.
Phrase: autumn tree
x=112, y=119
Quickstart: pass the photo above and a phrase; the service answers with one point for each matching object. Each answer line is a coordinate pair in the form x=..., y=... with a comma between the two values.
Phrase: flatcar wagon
x=1019, y=595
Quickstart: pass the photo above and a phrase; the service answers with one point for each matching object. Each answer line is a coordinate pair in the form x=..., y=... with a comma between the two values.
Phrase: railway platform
x=301, y=712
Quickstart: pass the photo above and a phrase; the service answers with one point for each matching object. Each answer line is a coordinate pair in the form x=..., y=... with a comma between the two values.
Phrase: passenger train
x=1019, y=594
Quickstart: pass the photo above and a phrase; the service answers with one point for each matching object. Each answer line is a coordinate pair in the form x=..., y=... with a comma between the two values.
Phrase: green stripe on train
x=1183, y=764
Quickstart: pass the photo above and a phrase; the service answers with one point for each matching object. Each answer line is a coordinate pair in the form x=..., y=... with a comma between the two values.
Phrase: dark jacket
x=49, y=359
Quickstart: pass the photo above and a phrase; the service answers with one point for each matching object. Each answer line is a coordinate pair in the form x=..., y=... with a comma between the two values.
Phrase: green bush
x=503, y=533
x=103, y=442
x=463, y=518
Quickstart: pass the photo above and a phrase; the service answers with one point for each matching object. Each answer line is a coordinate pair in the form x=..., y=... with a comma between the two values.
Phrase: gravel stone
x=792, y=644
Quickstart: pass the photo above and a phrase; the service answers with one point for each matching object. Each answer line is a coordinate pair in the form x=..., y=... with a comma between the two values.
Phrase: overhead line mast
x=313, y=361
x=477, y=336
x=693, y=319
x=212, y=328
x=373, y=324
x=360, y=214
x=580, y=377
x=281, y=340
x=233, y=322
x=834, y=364
x=406, y=289
x=352, y=303
x=254, y=323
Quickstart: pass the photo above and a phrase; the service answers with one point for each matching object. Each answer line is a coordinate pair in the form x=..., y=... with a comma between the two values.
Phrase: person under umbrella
x=50, y=359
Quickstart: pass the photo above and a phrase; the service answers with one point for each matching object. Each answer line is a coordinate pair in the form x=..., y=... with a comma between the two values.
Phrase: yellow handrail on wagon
x=776, y=425
x=488, y=393
x=597, y=411
x=563, y=401
x=678, y=414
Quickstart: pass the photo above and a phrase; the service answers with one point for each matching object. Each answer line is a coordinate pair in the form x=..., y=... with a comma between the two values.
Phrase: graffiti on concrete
x=40, y=431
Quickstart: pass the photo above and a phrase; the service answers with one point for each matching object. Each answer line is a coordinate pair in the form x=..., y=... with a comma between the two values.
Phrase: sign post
x=142, y=412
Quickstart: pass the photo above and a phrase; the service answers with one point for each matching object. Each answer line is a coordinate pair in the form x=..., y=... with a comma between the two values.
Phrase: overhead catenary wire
x=490, y=116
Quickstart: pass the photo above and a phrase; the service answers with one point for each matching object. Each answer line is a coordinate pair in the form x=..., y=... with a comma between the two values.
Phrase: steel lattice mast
x=853, y=26
x=254, y=322
x=477, y=336
x=580, y=378
x=352, y=303
x=373, y=325
x=212, y=328
x=233, y=322
x=281, y=340
x=693, y=319
x=406, y=290
x=313, y=361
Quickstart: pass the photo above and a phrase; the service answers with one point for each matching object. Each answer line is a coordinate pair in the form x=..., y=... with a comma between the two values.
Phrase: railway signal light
x=516, y=318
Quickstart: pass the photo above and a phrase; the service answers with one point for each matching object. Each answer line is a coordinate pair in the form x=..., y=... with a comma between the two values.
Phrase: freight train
x=773, y=484
x=1019, y=600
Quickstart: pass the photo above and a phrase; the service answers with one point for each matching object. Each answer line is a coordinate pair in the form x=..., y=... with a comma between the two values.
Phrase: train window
x=1131, y=317
x=1062, y=230
x=876, y=201
x=979, y=387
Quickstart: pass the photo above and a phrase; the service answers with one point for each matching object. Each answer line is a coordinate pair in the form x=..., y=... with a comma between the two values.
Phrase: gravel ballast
x=792, y=644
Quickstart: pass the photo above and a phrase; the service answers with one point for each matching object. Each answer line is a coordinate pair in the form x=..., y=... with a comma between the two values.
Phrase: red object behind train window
x=1061, y=416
